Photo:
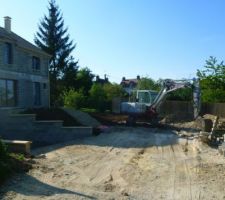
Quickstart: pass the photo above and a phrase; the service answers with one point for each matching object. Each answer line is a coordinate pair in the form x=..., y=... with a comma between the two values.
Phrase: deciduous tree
x=212, y=81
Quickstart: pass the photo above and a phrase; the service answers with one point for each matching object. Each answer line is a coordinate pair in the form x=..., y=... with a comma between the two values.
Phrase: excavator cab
x=146, y=96
x=139, y=101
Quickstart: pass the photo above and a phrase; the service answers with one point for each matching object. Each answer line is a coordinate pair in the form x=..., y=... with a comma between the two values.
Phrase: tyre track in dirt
x=160, y=174
x=187, y=164
x=183, y=188
x=137, y=164
x=174, y=176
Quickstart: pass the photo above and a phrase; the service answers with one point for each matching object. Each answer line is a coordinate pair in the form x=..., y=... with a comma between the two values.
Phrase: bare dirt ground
x=125, y=163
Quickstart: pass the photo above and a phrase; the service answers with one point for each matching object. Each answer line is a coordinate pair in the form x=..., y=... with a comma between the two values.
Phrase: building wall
x=22, y=60
x=22, y=72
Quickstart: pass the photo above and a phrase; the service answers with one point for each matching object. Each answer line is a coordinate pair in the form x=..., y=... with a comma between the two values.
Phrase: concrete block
x=18, y=146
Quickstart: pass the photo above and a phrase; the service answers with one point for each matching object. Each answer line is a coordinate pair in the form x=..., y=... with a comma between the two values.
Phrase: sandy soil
x=125, y=163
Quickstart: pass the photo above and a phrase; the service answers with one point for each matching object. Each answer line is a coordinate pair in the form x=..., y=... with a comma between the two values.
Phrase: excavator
x=147, y=102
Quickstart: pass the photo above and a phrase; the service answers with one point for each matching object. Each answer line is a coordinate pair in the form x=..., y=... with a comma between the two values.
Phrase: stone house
x=24, y=77
x=129, y=84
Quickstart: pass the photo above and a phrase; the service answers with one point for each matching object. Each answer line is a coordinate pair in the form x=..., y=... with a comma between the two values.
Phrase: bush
x=11, y=163
x=213, y=95
x=73, y=99
x=113, y=90
x=98, y=97
x=212, y=81
x=183, y=94
x=3, y=151
x=4, y=162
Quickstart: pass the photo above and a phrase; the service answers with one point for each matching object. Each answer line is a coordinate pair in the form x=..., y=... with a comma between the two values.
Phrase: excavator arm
x=169, y=85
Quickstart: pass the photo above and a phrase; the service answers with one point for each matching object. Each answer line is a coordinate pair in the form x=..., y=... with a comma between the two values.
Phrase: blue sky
x=154, y=38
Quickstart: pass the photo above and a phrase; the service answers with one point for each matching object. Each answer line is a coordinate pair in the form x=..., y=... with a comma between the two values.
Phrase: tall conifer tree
x=53, y=38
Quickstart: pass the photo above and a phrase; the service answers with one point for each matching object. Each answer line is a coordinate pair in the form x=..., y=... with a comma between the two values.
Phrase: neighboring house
x=129, y=84
x=101, y=80
x=24, y=79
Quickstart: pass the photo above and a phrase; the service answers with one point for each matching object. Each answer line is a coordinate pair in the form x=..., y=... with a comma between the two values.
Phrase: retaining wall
x=25, y=127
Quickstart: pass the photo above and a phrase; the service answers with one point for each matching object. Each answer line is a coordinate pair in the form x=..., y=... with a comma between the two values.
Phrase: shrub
x=3, y=151
x=212, y=81
x=11, y=163
x=113, y=90
x=98, y=97
x=182, y=94
x=73, y=99
x=213, y=95
x=4, y=164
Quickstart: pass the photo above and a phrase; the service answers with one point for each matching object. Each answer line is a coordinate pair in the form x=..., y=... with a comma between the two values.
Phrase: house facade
x=24, y=77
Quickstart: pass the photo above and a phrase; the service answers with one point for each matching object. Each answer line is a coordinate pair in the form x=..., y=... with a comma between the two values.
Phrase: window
x=153, y=95
x=7, y=92
x=36, y=63
x=8, y=57
x=44, y=85
x=37, y=93
x=143, y=97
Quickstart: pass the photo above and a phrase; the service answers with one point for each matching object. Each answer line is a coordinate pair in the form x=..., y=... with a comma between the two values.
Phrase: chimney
x=7, y=23
x=105, y=77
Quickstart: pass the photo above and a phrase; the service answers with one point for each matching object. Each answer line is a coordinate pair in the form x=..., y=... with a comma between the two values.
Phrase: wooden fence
x=181, y=109
x=214, y=109
x=177, y=109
